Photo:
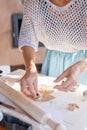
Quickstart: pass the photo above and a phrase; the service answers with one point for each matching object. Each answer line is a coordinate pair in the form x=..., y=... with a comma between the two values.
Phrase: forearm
x=29, y=81
x=83, y=64
x=29, y=55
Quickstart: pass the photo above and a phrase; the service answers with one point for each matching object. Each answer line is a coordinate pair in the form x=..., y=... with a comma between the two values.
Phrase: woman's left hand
x=72, y=75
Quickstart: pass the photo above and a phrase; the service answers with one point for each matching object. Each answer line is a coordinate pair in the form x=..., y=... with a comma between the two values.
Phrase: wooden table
x=57, y=102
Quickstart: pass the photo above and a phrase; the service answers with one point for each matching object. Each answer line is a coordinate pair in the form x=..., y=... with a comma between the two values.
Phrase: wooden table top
x=58, y=102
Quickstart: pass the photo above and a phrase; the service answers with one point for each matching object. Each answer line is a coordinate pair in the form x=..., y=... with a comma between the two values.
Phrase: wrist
x=83, y=64
x=31, y=67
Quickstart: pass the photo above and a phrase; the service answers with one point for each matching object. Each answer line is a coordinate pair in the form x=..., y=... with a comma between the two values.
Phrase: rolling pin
x=16, y=114
x=30, y=107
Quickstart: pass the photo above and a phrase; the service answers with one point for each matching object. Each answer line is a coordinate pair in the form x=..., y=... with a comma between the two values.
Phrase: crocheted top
x=58, y=28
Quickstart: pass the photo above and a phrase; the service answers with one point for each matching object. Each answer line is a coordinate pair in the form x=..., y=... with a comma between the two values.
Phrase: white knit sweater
x=59, y=28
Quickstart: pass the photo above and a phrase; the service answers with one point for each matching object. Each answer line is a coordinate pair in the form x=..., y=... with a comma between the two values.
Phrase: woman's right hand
x=29, y=82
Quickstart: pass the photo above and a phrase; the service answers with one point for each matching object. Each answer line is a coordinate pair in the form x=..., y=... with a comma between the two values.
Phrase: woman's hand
x=71, y=75
x=29, y=82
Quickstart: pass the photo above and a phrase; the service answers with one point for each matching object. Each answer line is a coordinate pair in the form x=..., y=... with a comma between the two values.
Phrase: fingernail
x=37, y=95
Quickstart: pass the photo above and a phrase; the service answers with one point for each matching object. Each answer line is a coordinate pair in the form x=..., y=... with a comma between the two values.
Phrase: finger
x=60, y=87
x=31, y=89
x=23, y=84
x=30, y=86
x=36, y=86
x=24, y=87
x=36, y=89
x=61, y=77
x=72, y=86
x=27, y=92
x=68, y=85
x=64, y=85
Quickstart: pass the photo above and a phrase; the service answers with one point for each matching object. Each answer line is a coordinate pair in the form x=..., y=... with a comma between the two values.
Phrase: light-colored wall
x=8, y=54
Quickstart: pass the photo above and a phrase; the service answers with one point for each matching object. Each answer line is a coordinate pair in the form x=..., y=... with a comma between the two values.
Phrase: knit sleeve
x=27, y=35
